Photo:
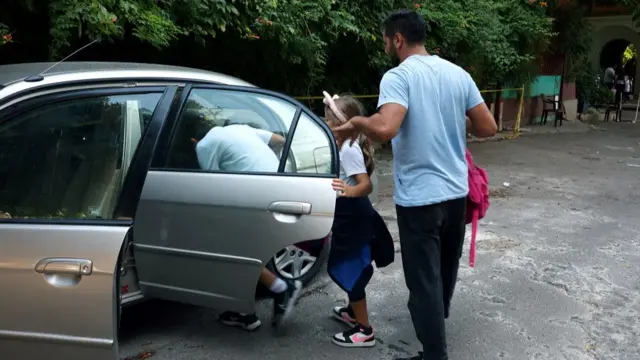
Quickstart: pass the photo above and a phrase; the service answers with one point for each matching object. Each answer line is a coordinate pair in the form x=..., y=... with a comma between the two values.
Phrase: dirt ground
x=556, y=272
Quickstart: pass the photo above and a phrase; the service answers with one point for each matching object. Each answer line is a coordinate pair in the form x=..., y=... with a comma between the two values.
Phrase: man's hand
x=483, y=125
x=345, y=131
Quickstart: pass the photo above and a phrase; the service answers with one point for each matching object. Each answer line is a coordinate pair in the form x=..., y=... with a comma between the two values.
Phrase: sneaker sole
x=242, y=326
x=292, y=303
x=354, y=345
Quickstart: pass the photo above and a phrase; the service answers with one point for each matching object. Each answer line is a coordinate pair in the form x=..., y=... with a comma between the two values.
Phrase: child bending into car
x=359, y=235
x=240, y=148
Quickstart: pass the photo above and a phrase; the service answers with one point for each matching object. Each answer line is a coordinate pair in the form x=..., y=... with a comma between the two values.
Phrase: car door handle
x=290, y=207
x=64, y=266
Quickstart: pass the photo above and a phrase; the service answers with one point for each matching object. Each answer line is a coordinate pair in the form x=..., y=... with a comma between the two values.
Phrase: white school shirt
x=351, y=162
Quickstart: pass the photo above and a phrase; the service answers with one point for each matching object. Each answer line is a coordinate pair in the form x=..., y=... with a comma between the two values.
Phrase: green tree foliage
x=634, y=6
x=497, y=40
x=309, y=44
x=5, y=35
x=629, y=54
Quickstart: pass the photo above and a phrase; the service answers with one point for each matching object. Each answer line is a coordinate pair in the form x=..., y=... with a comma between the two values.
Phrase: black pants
x=358, y=291
x=431, y=239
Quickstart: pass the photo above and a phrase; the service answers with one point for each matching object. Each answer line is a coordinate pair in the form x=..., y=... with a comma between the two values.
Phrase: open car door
x=204, y=234
x=60, y=299
x=63, y=162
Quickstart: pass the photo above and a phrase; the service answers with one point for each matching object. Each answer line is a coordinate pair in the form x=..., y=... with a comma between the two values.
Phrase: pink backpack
x=477, y=201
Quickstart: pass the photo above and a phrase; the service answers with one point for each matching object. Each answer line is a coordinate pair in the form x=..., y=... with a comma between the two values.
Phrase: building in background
x=615, y=39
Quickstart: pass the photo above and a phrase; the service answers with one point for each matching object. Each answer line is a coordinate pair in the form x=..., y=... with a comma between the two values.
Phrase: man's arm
x=483, y=124
x=392, y=109
x=276, y=140
x=383, y=125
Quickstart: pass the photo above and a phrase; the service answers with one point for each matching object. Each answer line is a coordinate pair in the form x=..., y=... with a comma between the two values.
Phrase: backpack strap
x=474, y=231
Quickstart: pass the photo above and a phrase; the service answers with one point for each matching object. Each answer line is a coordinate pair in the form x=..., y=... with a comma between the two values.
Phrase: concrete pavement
x=556, y=273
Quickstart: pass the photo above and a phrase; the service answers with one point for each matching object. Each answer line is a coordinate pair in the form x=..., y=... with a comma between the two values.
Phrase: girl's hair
x=351, y=107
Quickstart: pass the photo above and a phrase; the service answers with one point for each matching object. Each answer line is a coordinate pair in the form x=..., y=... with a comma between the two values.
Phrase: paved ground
x=556, y=275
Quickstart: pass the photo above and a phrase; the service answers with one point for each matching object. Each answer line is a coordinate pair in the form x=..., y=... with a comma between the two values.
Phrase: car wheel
x=294, y=263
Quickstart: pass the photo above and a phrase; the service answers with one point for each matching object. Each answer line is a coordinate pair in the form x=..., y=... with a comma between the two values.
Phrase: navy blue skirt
x=352, y=233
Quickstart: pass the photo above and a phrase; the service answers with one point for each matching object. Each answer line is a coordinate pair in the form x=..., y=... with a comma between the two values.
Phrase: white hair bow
x=329, y=101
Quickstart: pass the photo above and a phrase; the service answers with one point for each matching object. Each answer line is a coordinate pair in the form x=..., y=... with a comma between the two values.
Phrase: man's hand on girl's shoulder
x=345, y=131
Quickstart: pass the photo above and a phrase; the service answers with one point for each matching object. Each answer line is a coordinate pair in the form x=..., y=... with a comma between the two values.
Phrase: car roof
x=13, y=74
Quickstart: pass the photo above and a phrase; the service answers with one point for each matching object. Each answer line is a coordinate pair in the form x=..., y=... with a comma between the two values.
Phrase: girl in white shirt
x=354, y=226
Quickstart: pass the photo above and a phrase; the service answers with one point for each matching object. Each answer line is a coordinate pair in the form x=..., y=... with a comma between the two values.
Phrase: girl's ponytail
x=367, y=151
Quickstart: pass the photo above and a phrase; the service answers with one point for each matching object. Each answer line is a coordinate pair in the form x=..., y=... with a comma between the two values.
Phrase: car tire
x=315, y=269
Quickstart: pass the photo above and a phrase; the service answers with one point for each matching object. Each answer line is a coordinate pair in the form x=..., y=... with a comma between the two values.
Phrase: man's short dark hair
x=407, y=23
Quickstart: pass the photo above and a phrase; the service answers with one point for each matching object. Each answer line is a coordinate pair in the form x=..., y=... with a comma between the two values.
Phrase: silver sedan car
x=103, y=201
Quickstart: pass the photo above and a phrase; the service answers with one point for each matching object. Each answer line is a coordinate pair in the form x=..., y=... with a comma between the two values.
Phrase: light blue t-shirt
x=429, y=150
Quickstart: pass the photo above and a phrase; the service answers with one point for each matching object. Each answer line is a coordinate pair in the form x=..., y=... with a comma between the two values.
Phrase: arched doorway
x=612, y=53
x=611, y=36
x=620, y=52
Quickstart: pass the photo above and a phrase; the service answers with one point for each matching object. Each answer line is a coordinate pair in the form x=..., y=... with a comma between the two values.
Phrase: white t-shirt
x=609, y=75
x=351, y=162
x=238, y=148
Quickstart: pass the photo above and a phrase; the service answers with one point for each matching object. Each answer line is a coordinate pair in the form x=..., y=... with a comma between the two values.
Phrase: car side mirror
x=322, y=159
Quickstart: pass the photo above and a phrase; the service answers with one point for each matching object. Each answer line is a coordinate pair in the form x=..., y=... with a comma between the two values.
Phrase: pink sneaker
x=358, y=336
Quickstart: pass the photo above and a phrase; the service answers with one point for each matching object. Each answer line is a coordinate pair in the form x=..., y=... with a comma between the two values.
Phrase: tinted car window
x=69, y=159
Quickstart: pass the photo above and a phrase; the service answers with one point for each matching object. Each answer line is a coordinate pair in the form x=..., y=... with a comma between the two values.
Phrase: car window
x=68, y=160
x=230, y=131
x=310, y=148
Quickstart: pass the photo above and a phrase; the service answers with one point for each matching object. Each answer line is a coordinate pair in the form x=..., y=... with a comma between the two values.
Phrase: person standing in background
x=619, y=91
x=609, y=77
x=627, y=87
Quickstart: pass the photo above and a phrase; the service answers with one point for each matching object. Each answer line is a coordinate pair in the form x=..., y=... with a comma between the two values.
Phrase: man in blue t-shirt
x=422, y=108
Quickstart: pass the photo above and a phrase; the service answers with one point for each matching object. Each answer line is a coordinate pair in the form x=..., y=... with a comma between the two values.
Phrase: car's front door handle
x=65, y=266
x=290, y=207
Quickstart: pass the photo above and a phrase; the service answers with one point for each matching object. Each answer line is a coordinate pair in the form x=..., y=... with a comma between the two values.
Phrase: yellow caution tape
x=516, y=128
x=373, y=96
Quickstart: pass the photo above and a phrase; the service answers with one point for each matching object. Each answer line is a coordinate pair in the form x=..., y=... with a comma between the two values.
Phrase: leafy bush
x=5, y=36
x=310, y=44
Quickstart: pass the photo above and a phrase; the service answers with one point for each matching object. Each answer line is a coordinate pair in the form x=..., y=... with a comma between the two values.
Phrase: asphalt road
x=556, y=273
